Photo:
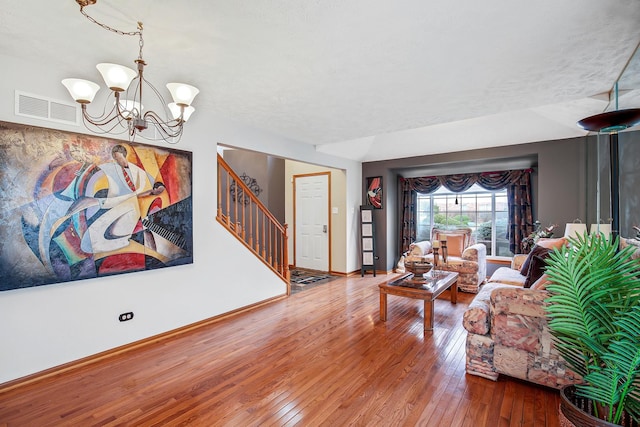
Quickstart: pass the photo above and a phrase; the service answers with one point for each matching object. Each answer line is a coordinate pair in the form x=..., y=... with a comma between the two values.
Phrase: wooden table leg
x=383, y=306
x=454, y=293
x=428, y=315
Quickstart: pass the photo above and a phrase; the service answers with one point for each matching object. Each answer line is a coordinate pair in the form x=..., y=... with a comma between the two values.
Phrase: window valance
x=462, y=182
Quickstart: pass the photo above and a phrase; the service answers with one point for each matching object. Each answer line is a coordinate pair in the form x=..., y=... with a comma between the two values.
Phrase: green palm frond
x=602, y=386
x=633, y=405
x=622, y=365
x=594, y=317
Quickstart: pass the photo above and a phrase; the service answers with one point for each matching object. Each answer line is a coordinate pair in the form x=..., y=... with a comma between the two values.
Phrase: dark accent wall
x=563, y=182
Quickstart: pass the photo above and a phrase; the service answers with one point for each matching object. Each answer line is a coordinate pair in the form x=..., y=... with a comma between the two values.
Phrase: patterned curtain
x=517, y=183
x=520, y=213
x=408, y=200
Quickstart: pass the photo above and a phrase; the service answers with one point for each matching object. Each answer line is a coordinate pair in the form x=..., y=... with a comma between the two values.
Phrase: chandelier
x=127, y=113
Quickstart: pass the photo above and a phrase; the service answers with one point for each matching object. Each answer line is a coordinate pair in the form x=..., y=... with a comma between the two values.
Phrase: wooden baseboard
x=369, y=272
x=76, y=364
x=338, y=273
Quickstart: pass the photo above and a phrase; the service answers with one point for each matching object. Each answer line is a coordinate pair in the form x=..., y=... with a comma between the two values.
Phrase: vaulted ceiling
x=361, y=79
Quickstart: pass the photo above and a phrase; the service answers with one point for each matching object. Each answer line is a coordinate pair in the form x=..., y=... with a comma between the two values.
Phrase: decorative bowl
x=418, y=268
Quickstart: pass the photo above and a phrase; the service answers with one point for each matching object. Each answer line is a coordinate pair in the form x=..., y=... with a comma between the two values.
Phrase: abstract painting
x=374, y=192
x=77, y=206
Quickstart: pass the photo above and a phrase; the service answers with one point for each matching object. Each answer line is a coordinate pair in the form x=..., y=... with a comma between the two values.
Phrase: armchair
x=467, y=259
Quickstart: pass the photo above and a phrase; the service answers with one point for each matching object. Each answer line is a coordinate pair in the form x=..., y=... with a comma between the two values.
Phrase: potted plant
x=540, y=232
x=594, y=317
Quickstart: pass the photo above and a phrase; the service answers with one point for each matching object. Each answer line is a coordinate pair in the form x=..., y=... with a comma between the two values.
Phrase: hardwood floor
x=320, y=357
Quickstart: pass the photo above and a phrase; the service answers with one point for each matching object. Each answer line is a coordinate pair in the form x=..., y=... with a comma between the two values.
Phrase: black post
x=614, y=163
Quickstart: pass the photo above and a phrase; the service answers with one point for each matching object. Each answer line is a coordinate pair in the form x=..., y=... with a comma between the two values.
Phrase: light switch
x=334, y=210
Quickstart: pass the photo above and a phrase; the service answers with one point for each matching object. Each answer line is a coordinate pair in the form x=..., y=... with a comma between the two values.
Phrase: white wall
x=46, y=326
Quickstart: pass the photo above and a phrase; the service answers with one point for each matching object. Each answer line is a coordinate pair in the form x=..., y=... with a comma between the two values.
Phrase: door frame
x=295, y=217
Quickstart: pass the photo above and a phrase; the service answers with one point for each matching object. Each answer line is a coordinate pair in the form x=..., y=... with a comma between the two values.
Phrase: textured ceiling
x=362, y=79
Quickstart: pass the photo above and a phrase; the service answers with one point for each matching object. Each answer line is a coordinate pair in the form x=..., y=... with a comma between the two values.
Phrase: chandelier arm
x=134, y=89
x=116, y=113
x=97, y=118
x=160, y=97
x=99, y=129
x=170, y=132
x=170, y=128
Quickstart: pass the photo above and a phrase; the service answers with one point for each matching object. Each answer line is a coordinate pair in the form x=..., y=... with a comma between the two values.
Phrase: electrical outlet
x=126, y=316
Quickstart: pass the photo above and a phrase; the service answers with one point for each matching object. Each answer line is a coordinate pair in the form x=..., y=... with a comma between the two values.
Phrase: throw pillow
x=536, y=251
x=536, y=270
x=552, y=243
x=455, y=244
x=418, y=249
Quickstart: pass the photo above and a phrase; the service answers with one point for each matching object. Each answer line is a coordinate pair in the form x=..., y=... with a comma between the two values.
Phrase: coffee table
x=429, y=291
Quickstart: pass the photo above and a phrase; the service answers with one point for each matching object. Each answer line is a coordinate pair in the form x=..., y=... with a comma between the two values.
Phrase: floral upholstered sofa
x=508, y=333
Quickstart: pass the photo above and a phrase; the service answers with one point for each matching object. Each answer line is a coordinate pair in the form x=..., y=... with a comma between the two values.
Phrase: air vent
x=40, y=107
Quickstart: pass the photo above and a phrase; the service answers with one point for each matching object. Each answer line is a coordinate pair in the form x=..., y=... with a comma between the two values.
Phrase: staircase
x=245, y=216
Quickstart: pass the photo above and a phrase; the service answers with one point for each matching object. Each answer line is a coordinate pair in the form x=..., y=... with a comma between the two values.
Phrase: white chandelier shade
x=177, y=110
x=82, y=91
x=182, y=94
x=116, y=77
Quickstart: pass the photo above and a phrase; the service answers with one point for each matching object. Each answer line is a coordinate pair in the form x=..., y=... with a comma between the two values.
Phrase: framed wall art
x=374, y=192
x=77, y=206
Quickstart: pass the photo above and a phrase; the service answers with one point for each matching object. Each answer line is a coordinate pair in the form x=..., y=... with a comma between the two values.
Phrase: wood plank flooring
x=321, y=357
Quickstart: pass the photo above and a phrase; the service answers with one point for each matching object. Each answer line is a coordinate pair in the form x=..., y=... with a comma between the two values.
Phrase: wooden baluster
x=251, y=223
x=220, y=191
x=274, y=250
x=228, y=197
x=244, y=233
x=270, y=254
x=256, y=226
x=285, y=257
x=264, y=236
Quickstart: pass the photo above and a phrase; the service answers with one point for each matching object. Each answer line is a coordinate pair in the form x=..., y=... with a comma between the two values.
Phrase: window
x=484, y=211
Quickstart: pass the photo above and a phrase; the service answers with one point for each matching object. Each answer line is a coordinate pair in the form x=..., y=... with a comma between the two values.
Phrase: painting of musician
x=79, y=207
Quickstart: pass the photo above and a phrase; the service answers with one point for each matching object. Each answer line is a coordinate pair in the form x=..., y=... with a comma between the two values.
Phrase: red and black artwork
x=374, y=192
x=77, y=207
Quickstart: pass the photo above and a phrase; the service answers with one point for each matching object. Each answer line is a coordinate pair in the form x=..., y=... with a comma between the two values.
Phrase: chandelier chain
x=115, y=30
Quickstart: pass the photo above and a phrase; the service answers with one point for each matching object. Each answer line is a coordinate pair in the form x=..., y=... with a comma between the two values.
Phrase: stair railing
x=248, y=219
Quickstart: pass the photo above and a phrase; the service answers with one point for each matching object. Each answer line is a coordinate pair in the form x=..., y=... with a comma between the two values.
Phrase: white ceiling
x=361, y=79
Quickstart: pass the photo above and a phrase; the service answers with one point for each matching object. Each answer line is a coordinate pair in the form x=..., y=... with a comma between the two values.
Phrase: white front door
x=312, y=221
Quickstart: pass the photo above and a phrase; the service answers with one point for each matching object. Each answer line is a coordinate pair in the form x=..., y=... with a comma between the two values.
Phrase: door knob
x=324, y=228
